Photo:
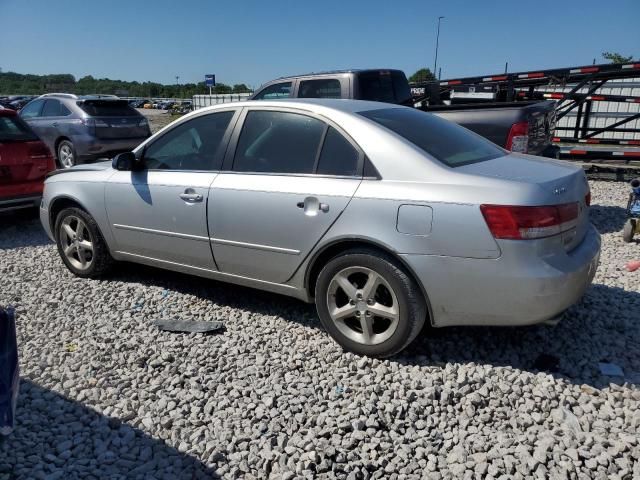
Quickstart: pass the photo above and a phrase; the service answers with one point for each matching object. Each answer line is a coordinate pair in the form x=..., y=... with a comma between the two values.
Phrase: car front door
x=32, y=114
x=287, y=180
x=159, y=212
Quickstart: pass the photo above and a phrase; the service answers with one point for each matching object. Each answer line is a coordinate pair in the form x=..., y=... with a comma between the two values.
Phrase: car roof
x=312, y=104
x=335, y=72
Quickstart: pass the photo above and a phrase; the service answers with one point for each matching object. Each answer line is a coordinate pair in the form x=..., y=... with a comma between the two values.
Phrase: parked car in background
x=24, y=163
x=525, y=127
x=147, y=104
x=80, y=129
x=381, y=214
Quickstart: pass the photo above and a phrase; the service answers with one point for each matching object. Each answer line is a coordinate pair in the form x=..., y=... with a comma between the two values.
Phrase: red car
x=24, y=163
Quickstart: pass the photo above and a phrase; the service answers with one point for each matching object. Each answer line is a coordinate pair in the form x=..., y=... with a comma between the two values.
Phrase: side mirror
x=124, y=161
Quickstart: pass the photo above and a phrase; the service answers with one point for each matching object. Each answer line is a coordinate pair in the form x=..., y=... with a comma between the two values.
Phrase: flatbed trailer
x=575, y=90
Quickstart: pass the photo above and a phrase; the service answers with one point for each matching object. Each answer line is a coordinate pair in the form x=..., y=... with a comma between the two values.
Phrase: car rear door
x=287, y=177
x=159, y=212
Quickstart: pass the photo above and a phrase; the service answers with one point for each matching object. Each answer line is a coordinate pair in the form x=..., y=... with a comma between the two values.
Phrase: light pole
x=435, y=62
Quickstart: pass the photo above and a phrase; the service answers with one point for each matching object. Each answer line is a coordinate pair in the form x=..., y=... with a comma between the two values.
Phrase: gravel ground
x=106, y=395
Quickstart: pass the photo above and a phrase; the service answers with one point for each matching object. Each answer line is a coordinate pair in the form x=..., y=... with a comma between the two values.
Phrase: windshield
x=108, y=108
x=446, y=141
x=13, y=129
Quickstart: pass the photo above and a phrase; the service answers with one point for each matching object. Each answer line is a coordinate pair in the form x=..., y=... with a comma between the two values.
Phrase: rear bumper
x=519, y=288
x=93, y=148
x=19, y=202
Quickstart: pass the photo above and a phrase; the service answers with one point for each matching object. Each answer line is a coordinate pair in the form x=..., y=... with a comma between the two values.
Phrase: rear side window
x=12, y=129
x=108, y=108
x=338, y=156
x=275, y=91
x=325, y=88
x=384, y=86
x=278, y=142
x=54, y=108
x=376, y=86
x=446, y=141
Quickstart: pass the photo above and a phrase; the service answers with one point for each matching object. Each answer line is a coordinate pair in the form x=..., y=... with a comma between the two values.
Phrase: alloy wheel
x=76, y=242
x=67, y=159
x=362, y=305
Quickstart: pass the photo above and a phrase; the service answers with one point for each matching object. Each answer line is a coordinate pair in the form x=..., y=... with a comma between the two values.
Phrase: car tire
x=80, y=244
x=66, y=154
x=629, y=230
x=369, y=304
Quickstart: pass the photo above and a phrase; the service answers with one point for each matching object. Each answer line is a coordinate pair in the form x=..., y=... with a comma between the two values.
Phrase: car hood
x=92, y=166
x=88, y=168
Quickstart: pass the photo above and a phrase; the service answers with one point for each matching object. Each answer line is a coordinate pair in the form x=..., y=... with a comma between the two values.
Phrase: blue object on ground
x=9, y=370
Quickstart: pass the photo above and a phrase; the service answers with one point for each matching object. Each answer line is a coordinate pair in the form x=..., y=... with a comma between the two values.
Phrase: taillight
x=518, y=138
x=523, y=223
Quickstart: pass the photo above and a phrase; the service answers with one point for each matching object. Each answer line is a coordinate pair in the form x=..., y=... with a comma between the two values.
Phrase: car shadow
x=22, y=229
x=54, y=433
x=597, y=329
x=608, y=219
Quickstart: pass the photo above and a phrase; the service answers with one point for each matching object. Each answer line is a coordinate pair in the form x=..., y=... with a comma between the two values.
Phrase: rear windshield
x=446, y=141
x=13, y=129
x=384, y=86
x=108, y=108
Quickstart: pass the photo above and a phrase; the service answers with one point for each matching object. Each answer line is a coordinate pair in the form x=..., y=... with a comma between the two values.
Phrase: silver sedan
x=385, y=216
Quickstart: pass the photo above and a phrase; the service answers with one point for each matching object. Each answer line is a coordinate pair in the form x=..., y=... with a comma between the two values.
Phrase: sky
x=252, y=42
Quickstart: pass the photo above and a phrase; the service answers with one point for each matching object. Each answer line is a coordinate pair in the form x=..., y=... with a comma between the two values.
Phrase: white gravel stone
x=104, y=394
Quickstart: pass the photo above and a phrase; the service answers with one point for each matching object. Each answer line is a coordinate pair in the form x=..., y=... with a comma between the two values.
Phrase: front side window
x=325, y=88
x=32, y=109
x=193, y=145
x=275, y=91
x=446, y=141
x=278, y=142
x=54, y=108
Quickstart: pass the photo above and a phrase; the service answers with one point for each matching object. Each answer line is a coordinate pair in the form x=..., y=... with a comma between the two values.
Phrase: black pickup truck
x=517, y=126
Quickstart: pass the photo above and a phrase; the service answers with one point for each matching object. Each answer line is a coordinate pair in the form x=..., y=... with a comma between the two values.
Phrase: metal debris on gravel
x=275, y=397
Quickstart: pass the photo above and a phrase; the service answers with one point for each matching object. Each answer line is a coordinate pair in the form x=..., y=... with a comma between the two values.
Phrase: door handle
x=55, y=124
x=312, y=206
x=190, y=195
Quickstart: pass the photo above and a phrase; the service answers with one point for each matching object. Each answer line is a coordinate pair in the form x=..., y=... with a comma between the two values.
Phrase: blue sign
x=210, y=80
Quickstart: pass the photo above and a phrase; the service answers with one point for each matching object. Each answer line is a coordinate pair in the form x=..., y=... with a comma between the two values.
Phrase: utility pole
x=435, y=62
x=177, y=84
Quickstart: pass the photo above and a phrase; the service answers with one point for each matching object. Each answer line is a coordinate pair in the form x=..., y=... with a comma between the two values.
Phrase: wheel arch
x=336, y=247
x=60, y=203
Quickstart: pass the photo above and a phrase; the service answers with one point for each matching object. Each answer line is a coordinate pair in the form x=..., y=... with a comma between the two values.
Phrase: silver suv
x=79, y=129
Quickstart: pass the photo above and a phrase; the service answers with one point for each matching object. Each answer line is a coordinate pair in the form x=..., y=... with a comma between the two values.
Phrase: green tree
x=422, y=75
x=241, y=88
x=615, y=57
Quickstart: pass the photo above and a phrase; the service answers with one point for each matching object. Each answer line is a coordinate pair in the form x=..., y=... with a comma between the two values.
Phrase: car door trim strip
x=268, y=248
x=161, y=232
